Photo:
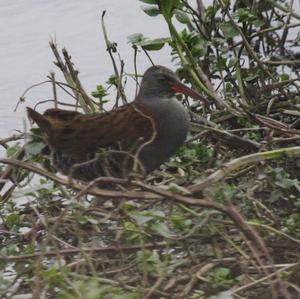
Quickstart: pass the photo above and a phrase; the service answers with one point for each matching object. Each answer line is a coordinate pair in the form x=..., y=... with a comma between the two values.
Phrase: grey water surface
x=26, y=59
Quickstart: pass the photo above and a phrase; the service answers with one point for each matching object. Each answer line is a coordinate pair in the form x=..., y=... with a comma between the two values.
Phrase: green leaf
x=12, y=249
x=100, y=92
x=228, y=30
x=136, y=38
x=218, y=42
x=148, y=44
x=209, y=12
x=112, y=80
x=232, y=62
x=12, y=150
x=179, y=221
x=181, y=16
x=153, y=44
x=162, y=229
x=150, y=1
x=219, y=277
x=223, y=192
x=30, y=191
x=52, y=276
x=139, y=40
x=36, y=131
x=151, y=11
x=166, y=6
x=244, y=15
x=35, y=148
x=148, y=261
x=285, y=183
x=141, y=219
x=157, y=213
x=284, y=77
x=129, y=205
x=12, y=220
x=259, y=22
x=275, y=196
x=82, y=219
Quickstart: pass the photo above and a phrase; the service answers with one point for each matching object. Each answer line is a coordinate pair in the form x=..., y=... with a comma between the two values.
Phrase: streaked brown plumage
x=152, y=127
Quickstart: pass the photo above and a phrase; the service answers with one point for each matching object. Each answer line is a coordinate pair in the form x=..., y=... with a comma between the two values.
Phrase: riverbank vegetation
x=220, y=219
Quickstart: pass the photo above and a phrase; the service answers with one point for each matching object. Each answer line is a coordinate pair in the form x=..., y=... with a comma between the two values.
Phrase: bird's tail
x=40, y=120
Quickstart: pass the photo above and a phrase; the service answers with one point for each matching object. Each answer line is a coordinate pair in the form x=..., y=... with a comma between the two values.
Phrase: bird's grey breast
x=172, y=125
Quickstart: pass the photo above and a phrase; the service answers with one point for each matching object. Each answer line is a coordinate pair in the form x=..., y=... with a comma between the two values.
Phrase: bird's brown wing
x=128, y=122
x=79, y=134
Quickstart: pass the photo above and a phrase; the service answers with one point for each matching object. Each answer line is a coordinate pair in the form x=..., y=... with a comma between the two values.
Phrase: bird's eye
x=163, y=78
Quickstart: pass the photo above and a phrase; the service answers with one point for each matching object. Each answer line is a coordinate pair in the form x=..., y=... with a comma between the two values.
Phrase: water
x=26, y=59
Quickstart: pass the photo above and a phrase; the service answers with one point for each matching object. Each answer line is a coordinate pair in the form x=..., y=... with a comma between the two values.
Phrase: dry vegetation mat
x=220, y=219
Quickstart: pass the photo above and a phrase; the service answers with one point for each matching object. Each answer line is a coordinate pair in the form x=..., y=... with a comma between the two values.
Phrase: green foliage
x=35, y=148
x=152, y=11
x=154, y=220
x=228, y=30
x=35, y=144
x=220, y=278
x=72, y=244
x=145, y=43
x=192, y=155
x=10, y=250
x=112, y=80
x=180, y=221
x=100, y=93
x=12, y=220
x=166, y=6
x=12, y=150
x=224, y=193
x=149, y=262
x=254, y=136
x=181, y=16
x=150, y=1
x=4, y=283
x=277, y=180
x=43, y=192
x=162, y=229
x=291, y=225
x=211, y=10
x=244, y=15
x=132, y=233
x=194, y=42
x=54, y=276
x=93, y=289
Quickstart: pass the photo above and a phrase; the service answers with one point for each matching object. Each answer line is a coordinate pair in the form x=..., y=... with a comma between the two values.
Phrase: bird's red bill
x=181, y=88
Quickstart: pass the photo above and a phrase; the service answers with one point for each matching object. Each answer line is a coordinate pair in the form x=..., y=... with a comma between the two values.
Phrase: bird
x=140, y=135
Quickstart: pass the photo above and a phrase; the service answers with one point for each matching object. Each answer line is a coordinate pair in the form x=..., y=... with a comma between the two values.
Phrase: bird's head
x=160, y=82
